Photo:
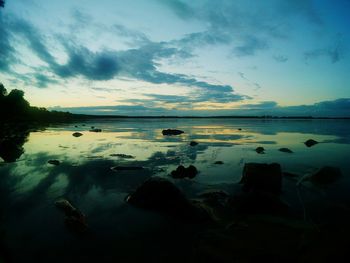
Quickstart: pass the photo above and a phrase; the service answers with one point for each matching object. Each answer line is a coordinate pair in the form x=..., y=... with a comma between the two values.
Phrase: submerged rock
x=219, y=162
x=193, y=143
x=182, y=172
x=239, y=129
x=126, y=168
x=260, y=150
x=161, y=195
x=54, y=162
x=172, y=132
x=77, y=134
x=75, y=220
x=95, y=130
x=121, y=155
x=258, y=202
x=262, y=177
x=310, y=142
x=326, y=175
x=285, y=150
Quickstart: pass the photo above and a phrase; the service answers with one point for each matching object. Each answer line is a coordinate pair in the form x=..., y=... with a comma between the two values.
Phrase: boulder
x=260, y=150
x=54, y=162
x=193, y=143
x=75, y=220
x=182, y=172
x=326, y=175
x=159, y=194
x=262, y=177
x=77, y=134
x=285, y=150
x=310, y=142
x=258, y=203
x=172, y=132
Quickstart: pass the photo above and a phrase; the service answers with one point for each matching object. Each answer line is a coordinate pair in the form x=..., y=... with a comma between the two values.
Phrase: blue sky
x=176, y=57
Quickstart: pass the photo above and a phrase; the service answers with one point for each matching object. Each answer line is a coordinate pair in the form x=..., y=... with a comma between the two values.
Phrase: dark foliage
x=13, y=107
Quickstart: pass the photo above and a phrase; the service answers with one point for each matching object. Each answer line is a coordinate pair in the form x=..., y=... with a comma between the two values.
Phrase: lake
x=33, y=229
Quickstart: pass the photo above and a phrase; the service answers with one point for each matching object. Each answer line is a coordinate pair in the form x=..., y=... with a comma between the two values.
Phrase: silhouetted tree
x=3, y=91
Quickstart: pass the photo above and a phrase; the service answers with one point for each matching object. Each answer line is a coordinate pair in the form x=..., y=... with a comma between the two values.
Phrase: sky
x=177, y=57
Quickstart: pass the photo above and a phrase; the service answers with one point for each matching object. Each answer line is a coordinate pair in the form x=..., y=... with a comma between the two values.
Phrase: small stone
x=77, y=134
x=172, y=132
x=182, y=172
x=95, y=130
x=285, y=150
x=260, y=150
x=310, y=142
x=193, y=143
x=219, y=162
x=54, y=162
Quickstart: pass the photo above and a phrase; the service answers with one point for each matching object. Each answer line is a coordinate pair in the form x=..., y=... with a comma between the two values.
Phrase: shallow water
x=29, y=187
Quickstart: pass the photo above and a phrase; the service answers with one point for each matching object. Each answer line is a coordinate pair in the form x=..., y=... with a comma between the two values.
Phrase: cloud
x=6, y=49
x=261, y=106
x=250, y=46
x=181, y=9
x=280, y=58
x=334, y=52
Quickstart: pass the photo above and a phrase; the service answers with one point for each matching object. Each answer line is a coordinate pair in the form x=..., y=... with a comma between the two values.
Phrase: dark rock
x=260, y=150
x=54, y=162
x=126, y=168
x=258, y=202
x=193, y=143
x=219, y=162
x=161, y=195
x=182, y=172
x=121, y=155
x=261, y=177
x=95, y=130
x=326, y=175
x=285, y=150
x=239, y=129
x=92, y=127
x=75, y=220
x=76, y=126
x=310, y=142
x=77, y=134
x=172, y=132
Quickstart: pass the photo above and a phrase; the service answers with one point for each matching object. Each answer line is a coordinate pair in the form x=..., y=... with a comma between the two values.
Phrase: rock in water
x=95, y=130
x=122, y=155
x=159, y=194
x=262, y=177
x=172, y=132
x=75, y=220
x=193, y=143
x=260, y=150
x=77, y=134
x=310, y=142
x=126, y=168
x=285, y=150
x=219, y=162
x=182, y=172
x=326, y=175
x=54, y=162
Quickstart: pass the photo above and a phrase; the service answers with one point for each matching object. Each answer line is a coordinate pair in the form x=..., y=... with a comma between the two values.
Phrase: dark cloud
x=280, y=58
x=250, y=46
x=261, y=106
x=180, y=8
x=334, y=52
x=6, y=49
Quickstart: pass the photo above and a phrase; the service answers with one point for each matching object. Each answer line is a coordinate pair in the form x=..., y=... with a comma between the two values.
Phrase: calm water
x=33, y=229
